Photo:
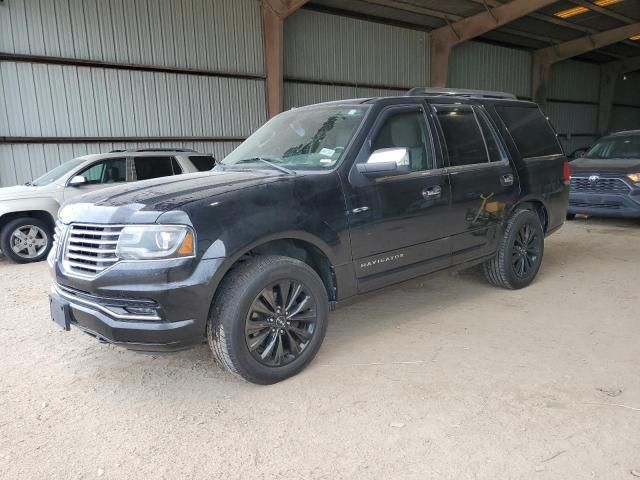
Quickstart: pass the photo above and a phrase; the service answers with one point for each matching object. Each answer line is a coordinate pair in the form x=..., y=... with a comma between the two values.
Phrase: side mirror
x=386, y=161
x=77, y=181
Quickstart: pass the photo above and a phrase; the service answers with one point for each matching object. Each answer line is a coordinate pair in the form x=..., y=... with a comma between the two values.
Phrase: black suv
x=320, y=205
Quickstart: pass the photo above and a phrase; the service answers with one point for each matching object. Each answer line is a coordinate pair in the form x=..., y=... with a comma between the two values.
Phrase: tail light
x=566, y=172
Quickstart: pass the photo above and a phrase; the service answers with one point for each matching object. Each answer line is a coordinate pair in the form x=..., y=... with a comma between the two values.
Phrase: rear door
x=483, y=180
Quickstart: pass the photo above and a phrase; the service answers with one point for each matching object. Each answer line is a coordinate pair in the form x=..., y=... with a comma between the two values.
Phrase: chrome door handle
x=432, y=193
x=507, y=179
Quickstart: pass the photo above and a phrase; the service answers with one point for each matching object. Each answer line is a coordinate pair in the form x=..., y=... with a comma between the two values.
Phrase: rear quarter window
x=203, y=162
x=530, y=131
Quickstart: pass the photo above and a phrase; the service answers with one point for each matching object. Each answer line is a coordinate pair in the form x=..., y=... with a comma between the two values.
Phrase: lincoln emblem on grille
x=594, y=179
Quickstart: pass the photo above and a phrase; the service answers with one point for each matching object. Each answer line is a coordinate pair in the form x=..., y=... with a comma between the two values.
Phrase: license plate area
x=60, y=313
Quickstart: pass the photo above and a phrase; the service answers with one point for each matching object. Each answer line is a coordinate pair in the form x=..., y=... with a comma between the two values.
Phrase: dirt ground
x=445, y=377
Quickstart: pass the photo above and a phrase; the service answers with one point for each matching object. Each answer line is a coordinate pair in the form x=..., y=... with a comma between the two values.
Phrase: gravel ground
x=444, y=377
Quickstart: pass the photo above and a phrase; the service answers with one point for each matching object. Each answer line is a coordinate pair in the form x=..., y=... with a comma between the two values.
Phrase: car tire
x=262, y=327
x=35, y=235
x=520, y=252
x=571, y=216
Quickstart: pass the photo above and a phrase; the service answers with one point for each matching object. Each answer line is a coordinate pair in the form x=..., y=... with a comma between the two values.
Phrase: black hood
x=145, y=201
x=167, y=193
x=606, y=165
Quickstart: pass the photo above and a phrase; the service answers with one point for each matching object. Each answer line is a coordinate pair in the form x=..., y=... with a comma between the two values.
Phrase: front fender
x=29, y=205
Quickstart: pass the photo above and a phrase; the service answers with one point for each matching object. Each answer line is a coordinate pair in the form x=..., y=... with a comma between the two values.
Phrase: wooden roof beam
x=445, y=38
x=544, y=58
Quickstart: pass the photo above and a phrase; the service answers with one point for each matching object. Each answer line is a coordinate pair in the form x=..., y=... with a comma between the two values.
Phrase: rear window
x=531, y=132
x=203, y=162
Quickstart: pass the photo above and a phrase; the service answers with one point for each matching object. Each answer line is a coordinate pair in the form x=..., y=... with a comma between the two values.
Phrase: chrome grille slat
x=75, y=248
x=602, y=185
x=74, y=239
x=90, y=249
x=85, y=266
x=94, y=259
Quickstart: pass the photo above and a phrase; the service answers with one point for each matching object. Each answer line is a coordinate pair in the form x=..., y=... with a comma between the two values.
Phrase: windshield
x=53, y=175
x=623, y=146
x=309, y=138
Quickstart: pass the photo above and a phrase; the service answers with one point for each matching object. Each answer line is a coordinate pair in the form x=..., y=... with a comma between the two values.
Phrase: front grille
x=90, y=249
x=601, y=185
x=606, y=206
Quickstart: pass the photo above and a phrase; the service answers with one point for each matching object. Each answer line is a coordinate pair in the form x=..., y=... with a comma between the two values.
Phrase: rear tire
x=268, y=319
x=26, y=240
x=519, y=254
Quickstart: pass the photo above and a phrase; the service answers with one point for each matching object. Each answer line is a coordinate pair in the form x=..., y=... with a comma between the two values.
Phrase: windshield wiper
x=264, y=160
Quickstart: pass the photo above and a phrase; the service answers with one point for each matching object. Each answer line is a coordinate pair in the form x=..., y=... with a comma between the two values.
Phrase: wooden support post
x=273, y=14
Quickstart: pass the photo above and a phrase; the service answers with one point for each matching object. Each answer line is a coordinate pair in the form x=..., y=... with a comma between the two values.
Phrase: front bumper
x=604, y=204
x=149, y=306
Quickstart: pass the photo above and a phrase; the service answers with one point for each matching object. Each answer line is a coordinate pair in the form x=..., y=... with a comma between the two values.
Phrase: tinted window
x=113, y=170
x=530, y=131
x=203, y=162
x=407, y=130
x=494, y=147
x=153, y=167
x=462, y=136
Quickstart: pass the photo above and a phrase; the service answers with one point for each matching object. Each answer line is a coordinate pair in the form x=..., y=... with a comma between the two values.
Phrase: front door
x=398, y=222
x=104, y=173
x=483, y=183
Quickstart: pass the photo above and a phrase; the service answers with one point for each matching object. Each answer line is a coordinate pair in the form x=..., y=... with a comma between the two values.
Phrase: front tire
x=26, y=240
x=519, y=254
x=268, y=319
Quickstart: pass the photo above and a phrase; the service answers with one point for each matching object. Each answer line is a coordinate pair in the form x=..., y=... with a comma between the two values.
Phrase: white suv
x=28, y=212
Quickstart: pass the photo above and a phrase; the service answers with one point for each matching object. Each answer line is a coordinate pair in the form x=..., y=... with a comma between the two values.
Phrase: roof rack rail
x=153, y=150
x=457, y=92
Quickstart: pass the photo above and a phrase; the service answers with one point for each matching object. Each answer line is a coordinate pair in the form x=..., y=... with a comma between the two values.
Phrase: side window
x=113, y=170
x=462, y=135
x=530, y=131
x=407, y=130
x=496, y=151
x=203, y=162
x=152, y=167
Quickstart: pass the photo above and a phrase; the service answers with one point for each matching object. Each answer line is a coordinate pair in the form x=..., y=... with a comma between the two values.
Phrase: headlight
x=634, y=177
x=154, y=242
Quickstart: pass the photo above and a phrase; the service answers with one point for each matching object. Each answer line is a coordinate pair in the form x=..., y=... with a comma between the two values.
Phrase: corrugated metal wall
x=70, y=101
x=349, y=52
x=490, y=67
x=628, y=91
x=203, y=34
x=50, y=100
x=625, y=118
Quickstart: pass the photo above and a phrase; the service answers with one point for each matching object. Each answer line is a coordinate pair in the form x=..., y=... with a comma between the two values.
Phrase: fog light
x=141, y=311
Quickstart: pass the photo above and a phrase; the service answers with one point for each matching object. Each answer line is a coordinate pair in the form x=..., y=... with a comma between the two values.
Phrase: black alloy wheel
x=281, y=323
x=526, y=251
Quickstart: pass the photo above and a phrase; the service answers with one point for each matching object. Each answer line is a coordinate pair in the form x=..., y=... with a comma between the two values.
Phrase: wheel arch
x=299, y=245
x=539, y=207
x=42, y=215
